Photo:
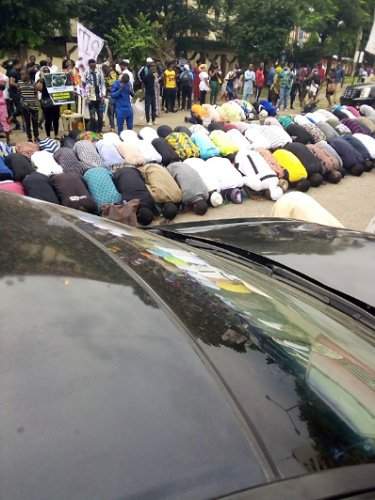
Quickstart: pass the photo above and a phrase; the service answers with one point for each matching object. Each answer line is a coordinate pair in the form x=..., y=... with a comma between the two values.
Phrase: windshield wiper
x=348, y=305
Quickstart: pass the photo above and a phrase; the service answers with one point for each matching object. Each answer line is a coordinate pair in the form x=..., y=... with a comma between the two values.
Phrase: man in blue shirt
x=340, y=75
x=186, y=82
x=120, y=93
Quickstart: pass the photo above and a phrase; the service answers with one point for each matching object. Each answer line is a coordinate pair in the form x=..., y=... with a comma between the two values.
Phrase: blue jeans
x=123, y=114
x=284, y=96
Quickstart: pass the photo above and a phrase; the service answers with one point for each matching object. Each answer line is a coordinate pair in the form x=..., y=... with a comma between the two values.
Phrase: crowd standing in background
x=108, y=90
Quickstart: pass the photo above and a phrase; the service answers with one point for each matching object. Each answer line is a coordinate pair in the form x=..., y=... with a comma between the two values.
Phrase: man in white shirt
x=124, y=68
x=203, y=83
x=249, y=79
x=95, y=90
x=52, y=67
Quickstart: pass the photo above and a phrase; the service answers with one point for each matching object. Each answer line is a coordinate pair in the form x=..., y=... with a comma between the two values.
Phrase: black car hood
x=134, y=366
x=338, y=258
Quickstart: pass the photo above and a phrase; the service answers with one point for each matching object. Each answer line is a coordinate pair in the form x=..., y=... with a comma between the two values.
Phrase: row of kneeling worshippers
x=192, y=168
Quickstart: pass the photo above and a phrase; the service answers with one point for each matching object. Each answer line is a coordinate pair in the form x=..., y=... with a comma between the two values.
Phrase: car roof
x=135, y=366
x=361, y=85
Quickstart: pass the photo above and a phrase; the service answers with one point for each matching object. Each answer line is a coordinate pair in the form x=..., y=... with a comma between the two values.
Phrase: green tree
x=134, y=39
x=177, y=17
x=260, y=28
x=30, y=24
x=336, y=22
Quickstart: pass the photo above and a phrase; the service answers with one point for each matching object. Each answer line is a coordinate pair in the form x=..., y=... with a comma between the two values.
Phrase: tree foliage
x=261, y=28
x=336, y=22
x=29, y=23
x=135, y=39
x=256, y=29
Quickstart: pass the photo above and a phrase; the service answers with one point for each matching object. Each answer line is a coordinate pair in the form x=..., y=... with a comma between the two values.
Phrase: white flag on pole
x=89, y=44
x=370, y=47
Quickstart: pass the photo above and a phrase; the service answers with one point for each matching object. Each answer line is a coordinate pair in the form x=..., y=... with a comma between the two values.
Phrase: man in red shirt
x=259, y=81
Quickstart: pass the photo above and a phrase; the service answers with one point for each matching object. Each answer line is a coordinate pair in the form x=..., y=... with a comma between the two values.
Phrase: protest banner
x=60, y=88
x=89, y=44
x=370, y=47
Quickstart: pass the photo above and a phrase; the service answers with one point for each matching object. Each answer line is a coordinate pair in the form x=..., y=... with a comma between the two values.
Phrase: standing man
x=340, y=75
x=248, y=87
x=52, y=67
x=94, y=85
x=14, y=107
x=29, y=105
x=203, y=84
x=170, y=87
x=215, y=82
x=124, y=69
x=286, y=81
x=147, y=78
x=121, y=93
x=237, y=82
x=331, y=86
x=186, y=83
x=110, y=77
x=295, y=85
x=32, y=67
x=269, y=80
x=259, y=81
x=302, y=76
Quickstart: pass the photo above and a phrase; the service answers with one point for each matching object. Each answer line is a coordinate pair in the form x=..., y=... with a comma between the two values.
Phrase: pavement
x=352, y=201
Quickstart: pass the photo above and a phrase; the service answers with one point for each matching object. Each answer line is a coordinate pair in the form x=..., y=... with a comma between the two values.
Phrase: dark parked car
x=362, y=93
x=233, y=358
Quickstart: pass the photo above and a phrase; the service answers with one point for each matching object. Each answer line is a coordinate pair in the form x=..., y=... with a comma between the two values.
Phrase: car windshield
x=302, y=373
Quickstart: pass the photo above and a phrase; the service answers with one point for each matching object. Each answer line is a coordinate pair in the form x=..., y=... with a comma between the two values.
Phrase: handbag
x=46, y=102
x=331, y=88
x=125, y=213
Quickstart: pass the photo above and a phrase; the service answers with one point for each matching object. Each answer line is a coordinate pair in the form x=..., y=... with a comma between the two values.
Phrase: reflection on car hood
x=133, y=365
x=338, y=258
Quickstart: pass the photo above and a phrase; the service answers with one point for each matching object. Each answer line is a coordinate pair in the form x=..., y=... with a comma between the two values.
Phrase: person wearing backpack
x=286, y=82
x=147, y=77
x=186, y=82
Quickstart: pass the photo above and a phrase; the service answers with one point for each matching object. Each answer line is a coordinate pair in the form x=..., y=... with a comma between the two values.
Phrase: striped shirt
x=69, y=161
x=28, y=95
x=87, y=154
